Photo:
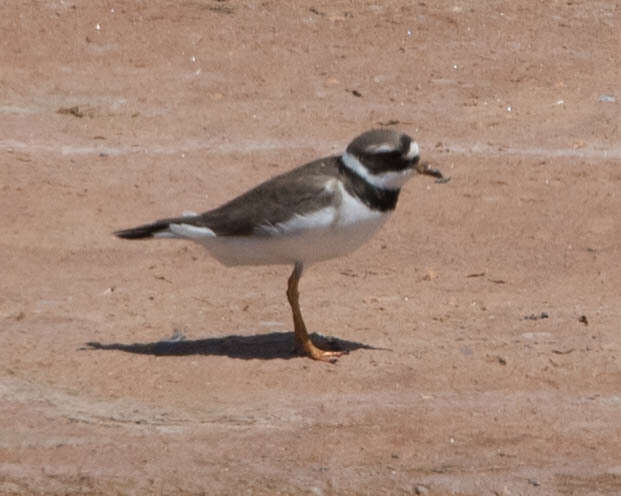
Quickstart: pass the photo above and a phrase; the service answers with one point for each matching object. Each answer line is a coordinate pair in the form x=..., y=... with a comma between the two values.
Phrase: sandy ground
x=482, y=321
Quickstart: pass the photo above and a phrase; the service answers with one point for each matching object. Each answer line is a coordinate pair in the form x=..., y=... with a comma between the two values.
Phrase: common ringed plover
x=321, y=210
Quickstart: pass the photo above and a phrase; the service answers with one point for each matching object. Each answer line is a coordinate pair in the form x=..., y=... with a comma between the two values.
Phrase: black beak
x=425, y=169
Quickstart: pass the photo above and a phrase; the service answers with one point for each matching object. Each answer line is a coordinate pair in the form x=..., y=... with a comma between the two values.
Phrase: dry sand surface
x=483, y=321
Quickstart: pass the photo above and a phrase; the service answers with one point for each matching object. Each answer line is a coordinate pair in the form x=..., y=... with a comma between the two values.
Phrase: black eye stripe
x=406, y=141
x=384, y=153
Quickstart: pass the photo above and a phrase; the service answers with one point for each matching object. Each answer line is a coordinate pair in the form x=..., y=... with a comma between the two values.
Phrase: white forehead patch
x=413, y=151
x=383, y=148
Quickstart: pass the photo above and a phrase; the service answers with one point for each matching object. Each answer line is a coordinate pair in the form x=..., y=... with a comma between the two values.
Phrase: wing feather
x=273, y=202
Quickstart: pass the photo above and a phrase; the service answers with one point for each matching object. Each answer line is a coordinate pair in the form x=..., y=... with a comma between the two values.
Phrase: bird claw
x=328, y=356
x=312, y=351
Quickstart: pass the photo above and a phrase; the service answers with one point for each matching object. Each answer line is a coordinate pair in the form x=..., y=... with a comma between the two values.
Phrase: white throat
x=392, y=180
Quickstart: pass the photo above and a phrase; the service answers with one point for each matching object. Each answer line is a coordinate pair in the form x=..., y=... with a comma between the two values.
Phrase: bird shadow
x=260, y=346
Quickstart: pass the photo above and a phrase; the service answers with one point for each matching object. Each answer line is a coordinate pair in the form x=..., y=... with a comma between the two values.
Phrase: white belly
x=331, y=232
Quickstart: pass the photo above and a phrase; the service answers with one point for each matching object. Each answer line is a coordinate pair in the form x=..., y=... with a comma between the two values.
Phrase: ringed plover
x=321, y=210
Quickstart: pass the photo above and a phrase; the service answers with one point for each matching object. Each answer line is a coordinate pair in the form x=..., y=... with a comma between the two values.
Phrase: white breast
x=327, y=233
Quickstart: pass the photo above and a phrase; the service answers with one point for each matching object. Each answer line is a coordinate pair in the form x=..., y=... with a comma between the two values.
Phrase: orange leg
x=302, y=339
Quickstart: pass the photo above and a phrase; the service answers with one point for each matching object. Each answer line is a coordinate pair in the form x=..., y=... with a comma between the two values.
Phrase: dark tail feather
x=142, y=232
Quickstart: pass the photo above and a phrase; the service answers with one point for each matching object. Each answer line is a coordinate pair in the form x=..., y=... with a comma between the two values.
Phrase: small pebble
x=532, y=316
x=607, y=98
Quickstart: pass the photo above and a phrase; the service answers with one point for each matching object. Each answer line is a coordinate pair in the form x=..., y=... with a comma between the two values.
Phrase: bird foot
x=316, y=353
